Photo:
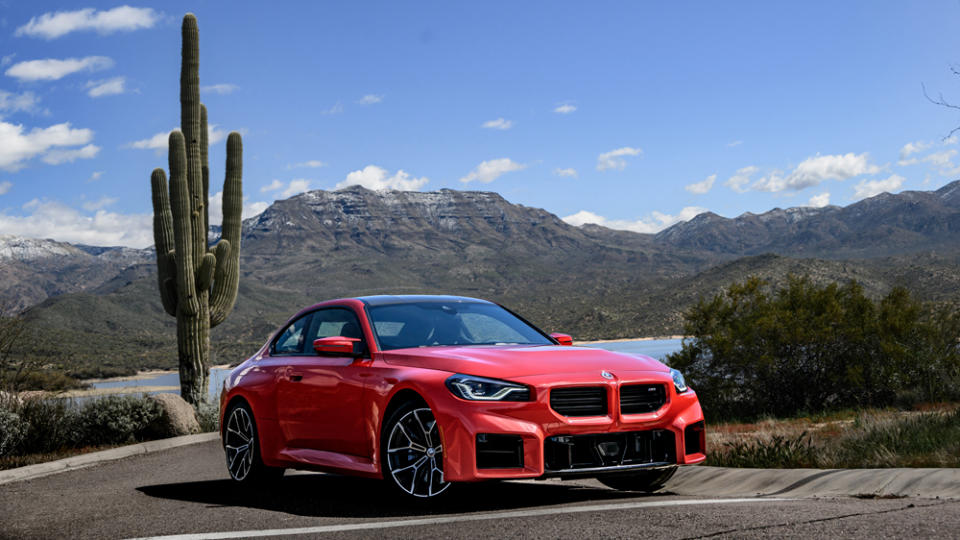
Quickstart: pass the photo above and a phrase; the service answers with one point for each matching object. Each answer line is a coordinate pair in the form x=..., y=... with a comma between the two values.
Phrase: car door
x=319, y=396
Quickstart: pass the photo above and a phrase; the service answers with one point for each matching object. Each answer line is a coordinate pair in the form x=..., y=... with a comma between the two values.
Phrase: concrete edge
x=805, y=483
x=30, y=472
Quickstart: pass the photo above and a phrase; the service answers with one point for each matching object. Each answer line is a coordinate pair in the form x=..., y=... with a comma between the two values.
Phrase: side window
x=333, y=322
x=292, y=339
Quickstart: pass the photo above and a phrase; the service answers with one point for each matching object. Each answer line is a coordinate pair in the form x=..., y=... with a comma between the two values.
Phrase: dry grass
x=926, y=437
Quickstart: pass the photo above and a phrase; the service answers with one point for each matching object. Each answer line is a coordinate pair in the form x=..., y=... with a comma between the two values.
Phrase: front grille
x=641, y=398
x=572, y=452
x=579, y=401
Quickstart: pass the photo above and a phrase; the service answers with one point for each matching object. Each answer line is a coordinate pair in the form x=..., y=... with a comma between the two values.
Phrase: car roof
x=390, y=299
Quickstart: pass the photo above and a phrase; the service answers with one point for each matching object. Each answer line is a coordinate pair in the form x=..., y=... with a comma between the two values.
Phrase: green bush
x=810, y=348
x=38, y=426
x=116, y=420
x=208, y=415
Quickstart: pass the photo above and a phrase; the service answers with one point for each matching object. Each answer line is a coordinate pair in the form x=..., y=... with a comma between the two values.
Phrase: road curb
x=86, y=460
x=804, y=483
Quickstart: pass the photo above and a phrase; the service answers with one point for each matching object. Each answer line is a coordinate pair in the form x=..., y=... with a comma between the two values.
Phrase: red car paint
x=327, y=412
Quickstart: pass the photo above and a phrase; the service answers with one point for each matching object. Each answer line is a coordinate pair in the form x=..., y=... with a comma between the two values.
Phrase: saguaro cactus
x=198, y=284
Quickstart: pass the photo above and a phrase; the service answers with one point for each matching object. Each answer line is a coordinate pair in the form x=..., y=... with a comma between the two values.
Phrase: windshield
x=432, y=324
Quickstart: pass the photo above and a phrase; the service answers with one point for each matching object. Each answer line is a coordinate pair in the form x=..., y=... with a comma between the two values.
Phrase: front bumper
x=538, y=437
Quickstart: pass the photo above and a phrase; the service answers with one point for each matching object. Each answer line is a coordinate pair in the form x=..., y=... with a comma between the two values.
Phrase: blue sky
x=629, y=114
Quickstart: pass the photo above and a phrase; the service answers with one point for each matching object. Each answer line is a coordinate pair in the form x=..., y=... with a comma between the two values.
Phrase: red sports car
x=425, y=391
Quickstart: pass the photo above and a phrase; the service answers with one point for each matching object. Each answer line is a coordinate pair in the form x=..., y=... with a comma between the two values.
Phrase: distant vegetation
x=805, y=348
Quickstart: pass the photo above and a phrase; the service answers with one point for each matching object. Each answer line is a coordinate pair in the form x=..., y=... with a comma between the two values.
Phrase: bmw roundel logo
x=606, y=374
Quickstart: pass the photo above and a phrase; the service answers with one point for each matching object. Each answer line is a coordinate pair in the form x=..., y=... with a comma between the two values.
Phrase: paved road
x=185, y=491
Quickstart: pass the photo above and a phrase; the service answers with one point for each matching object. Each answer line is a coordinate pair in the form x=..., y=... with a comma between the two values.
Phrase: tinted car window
x=291, y=340
x=334, y=322
x=426, y=324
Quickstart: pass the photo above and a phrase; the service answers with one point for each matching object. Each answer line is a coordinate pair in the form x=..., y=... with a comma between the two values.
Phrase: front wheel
x=412, y=453
x=648, y=481
x=240, y=444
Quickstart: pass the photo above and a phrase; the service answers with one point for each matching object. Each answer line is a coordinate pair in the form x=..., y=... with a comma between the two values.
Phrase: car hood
x=512, y=361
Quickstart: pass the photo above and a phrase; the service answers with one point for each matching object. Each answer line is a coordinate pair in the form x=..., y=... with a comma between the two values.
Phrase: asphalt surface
x=186, y=490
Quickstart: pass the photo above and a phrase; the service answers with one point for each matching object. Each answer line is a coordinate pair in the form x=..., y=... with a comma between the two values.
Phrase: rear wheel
x=242, y=449
x=648, y=481
x=412, y=453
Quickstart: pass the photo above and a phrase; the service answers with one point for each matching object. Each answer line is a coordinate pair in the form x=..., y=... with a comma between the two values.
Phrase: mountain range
x=102, y=306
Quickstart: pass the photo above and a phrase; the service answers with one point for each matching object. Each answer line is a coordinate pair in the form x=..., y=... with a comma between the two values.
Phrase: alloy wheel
x=414, y=454
x=239, y=443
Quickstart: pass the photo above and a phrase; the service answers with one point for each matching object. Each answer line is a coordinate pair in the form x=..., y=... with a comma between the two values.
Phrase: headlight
x=678, y=382
x=483, y=389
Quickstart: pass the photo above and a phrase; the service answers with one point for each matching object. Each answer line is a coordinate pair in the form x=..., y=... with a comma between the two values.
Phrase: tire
x=411, y=452
x=648, y=481
x=242, y=448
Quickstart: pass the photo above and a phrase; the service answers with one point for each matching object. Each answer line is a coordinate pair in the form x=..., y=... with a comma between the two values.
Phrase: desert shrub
x=812, y=348
x=50, y=425
x=12, y=430
x=116, y=420
x=208, y=415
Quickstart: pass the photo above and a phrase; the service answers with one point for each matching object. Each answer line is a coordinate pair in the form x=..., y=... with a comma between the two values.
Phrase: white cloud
x=51, y=219
x=295, y=187
x=52, y=69
x=336, y=109
x=868, y=188
x=566, y=172
x=107, y=87
x=913, y=148
x=12, y=103
x=250, y=209
x=812, y=171
x=732, y=144
x=653, y=223
x=275, y=185
x=5, y=187
x=376, y=178
x=370, y=99
x=699, y=188
x=17, y=145
x=160, y=141
x=741, y=178
x=289, y=190
x=312, y=164
x=221, y=89
x=123, y=18
x=614, y=158
x=95, y=176
x=565, y=108
x=488, y=171
x=819, y=201
x=58, y=156
x=940, y=159
x=99, y=204
x=499, y=123
x=7, y=59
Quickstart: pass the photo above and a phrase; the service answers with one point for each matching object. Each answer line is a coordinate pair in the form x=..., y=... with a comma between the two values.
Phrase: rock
x=178, y=417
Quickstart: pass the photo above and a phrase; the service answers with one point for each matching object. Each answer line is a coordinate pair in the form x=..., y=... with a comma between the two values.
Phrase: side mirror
x=336, y=346
x=563, y=339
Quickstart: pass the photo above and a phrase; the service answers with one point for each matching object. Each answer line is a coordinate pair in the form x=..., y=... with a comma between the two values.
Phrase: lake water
x=656, y=348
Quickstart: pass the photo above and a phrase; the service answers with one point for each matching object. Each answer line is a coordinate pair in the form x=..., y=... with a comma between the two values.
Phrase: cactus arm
x=205, y=274
x=227, y=276
x=190, y=124
x=205, y=167
x=163, y=239
x=187, y=301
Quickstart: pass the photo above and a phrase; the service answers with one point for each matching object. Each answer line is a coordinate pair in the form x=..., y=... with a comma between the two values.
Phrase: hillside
x=590, y=281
